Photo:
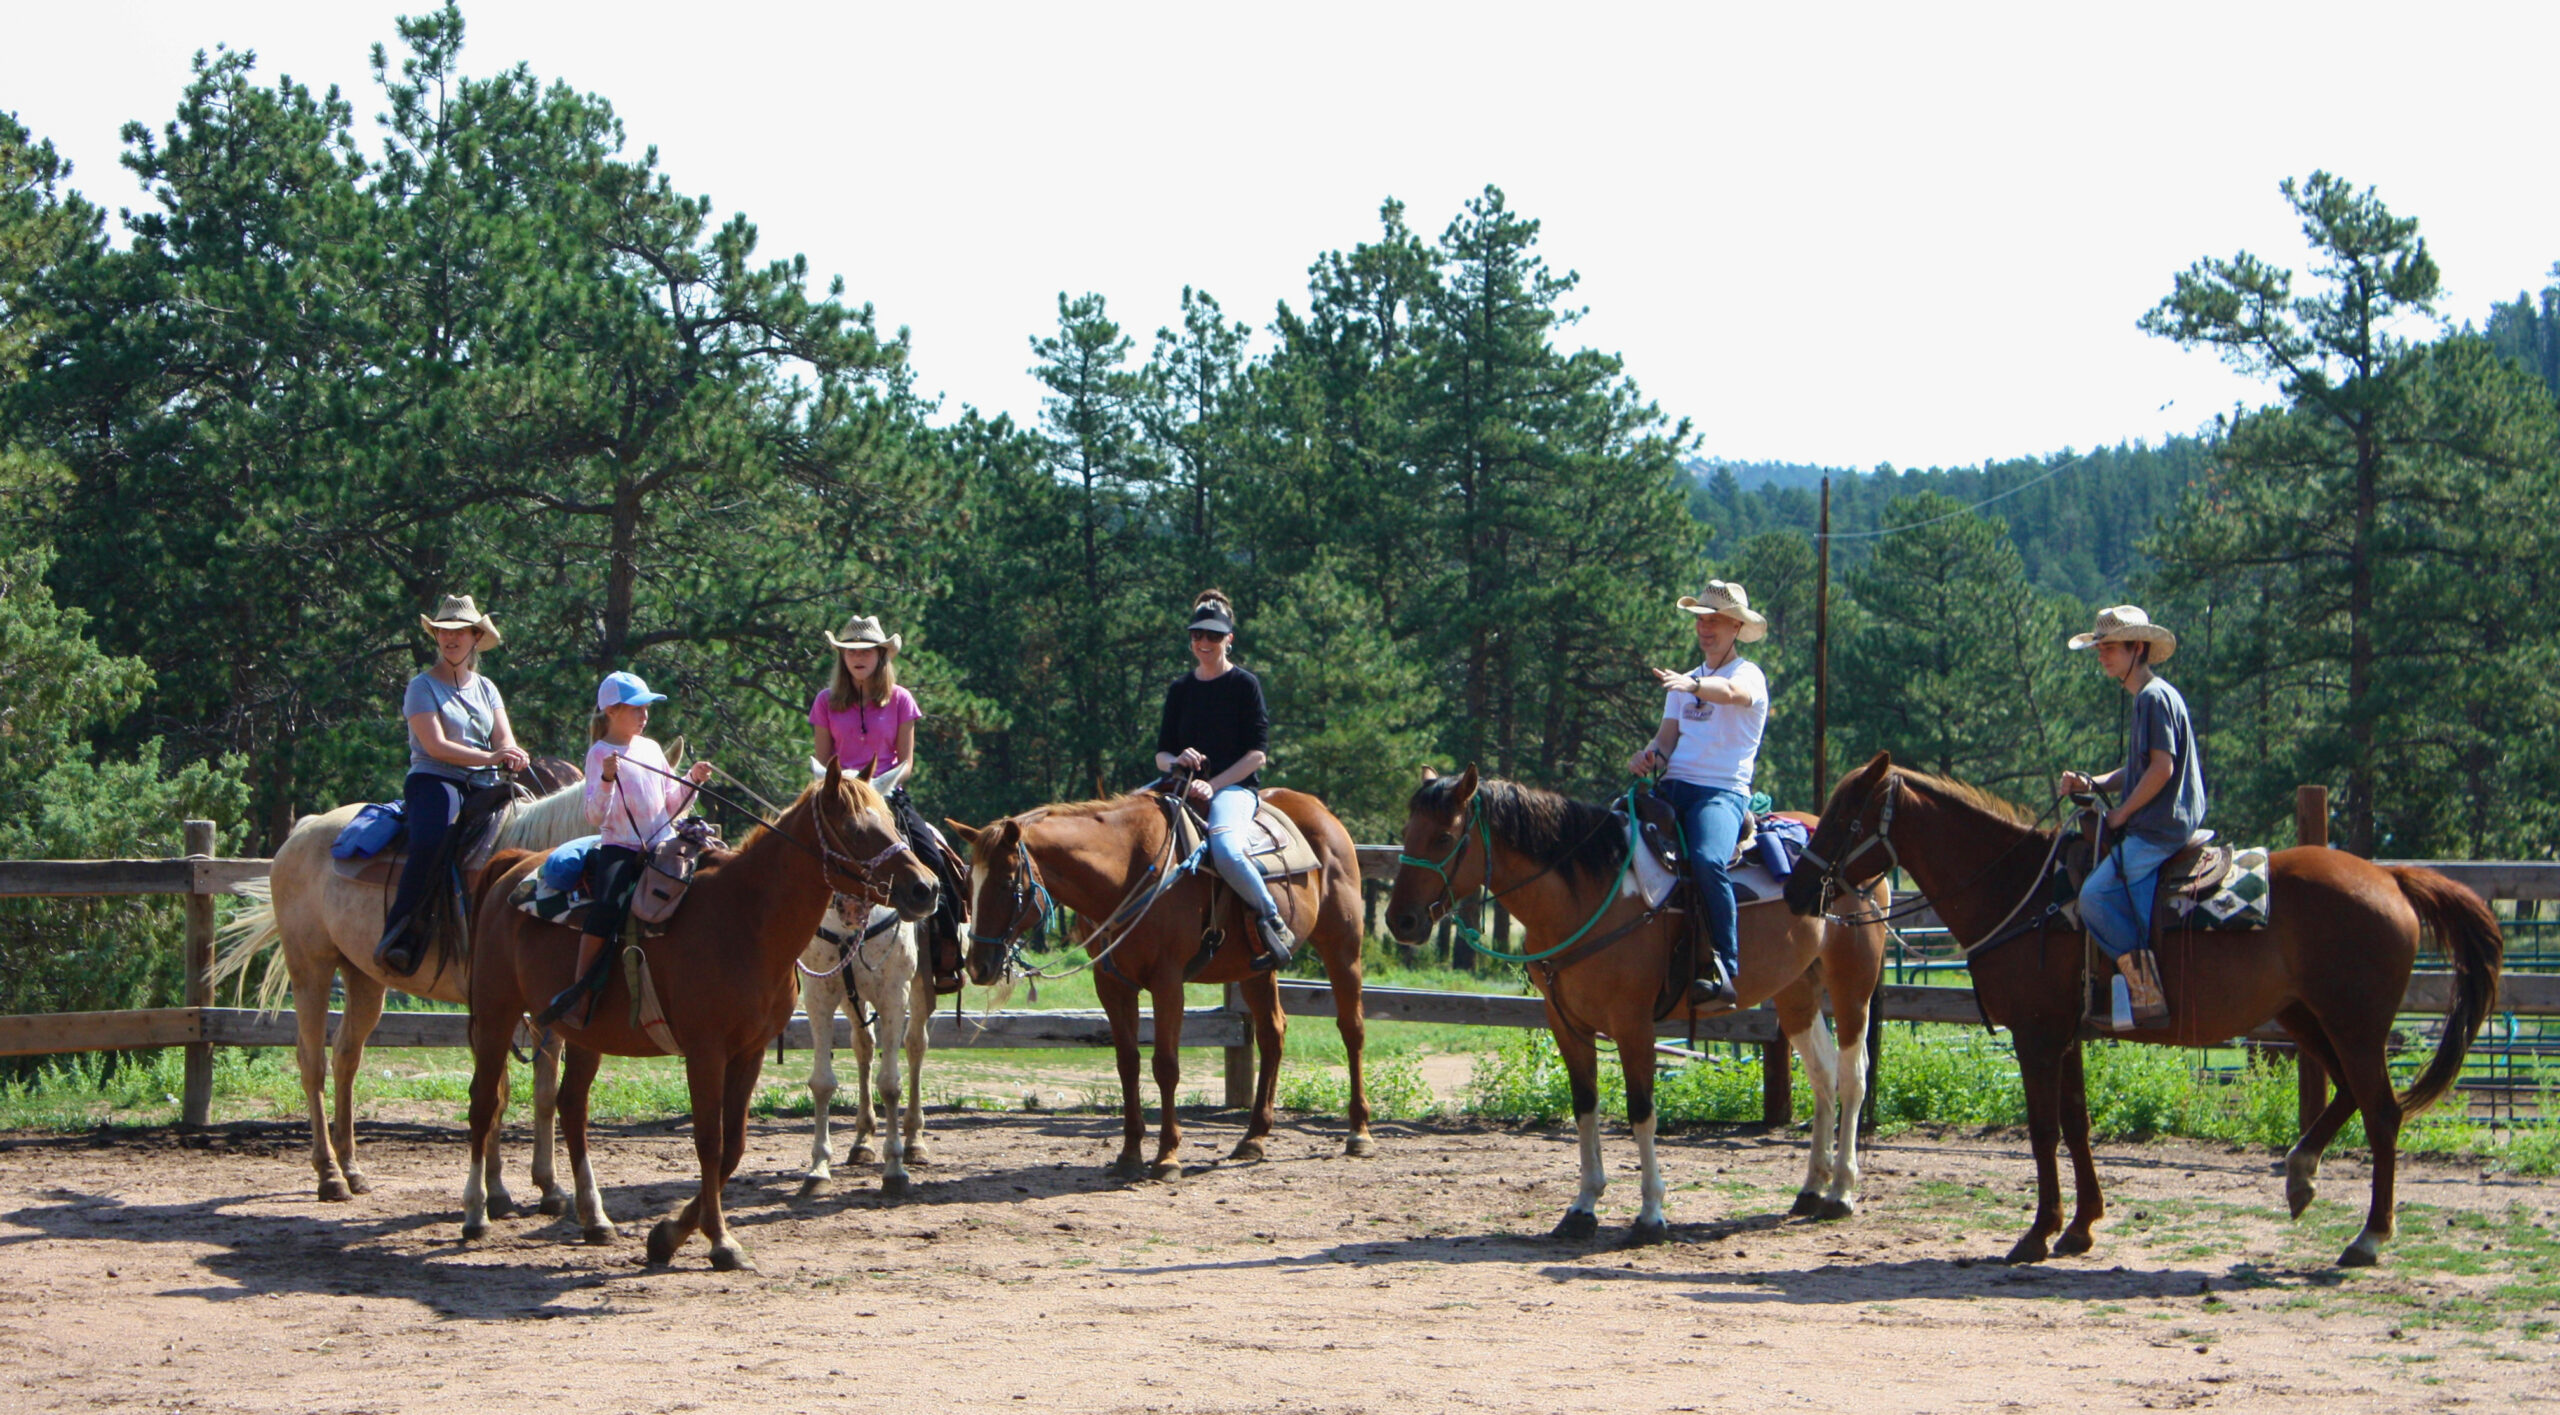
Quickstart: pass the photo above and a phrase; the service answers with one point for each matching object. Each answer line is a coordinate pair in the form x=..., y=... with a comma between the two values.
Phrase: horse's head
x=1842, y=855
x=858, y=838
x=1006, y=899
x=1438, y=863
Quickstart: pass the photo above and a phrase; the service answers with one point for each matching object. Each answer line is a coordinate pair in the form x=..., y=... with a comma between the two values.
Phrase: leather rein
x=1835, y=872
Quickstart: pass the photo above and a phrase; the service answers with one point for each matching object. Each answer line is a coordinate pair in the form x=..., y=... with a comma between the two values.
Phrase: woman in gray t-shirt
x=457, y=726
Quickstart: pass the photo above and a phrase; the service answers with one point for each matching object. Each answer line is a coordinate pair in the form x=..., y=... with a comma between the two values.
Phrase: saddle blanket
x=1752, y=882
x=1274, y=843
x=2238, y=900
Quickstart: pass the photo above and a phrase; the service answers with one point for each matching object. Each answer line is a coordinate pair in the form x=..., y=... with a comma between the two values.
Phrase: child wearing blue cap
x=632, y=809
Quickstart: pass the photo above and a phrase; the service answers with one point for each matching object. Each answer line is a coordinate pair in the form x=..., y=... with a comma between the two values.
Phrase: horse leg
x=727, y=1253
x=1582, y=1072
x=819, y=998
x=2040, y=1070
x=492, y=1162
x=311, y=1040
x=575, y=1087
x=2088, y=1205
x=888, y=1029
x=866, y=1121
x=1637, y=1063
x=1802, y=1023
x=355, y=1026
x=546, y=1111
x=706, y=1081
x=2369, y=1077
x=1353, y=1024
x=488, y=1110
x=1168, y=1069
x=1849, y=1089
x=1270, y=1035
x=2302, y=1162
x=1120, y=1004
x=919, y=1035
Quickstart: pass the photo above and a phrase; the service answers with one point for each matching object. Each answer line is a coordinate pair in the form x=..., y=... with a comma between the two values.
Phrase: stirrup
x=588, y=989
x=397, y=952
x=1277, y=949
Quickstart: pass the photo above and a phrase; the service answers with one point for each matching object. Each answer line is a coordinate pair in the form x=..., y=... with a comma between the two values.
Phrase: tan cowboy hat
x=456, y=611
x=863, y=632
x=2126, y=622
x=1728, y=599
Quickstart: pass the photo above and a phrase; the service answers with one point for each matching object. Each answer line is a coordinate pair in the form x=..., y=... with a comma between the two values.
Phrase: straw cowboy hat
x=2127, y=623
x=1727, y=598
x=863, y=632
x=456, y=611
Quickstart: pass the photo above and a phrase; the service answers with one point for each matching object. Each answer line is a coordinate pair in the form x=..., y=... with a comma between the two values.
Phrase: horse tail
x=2469, y=937
x=251, y=932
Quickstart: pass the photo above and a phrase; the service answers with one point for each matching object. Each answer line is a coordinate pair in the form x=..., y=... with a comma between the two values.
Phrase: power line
x=1967, y=510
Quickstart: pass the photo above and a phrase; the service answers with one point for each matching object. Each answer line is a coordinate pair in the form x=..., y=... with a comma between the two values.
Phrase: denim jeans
x=1230, y=819
x=428, y=806
x=1710, y=828
x=2115, y=901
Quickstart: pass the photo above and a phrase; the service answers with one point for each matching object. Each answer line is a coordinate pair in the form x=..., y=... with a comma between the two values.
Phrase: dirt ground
x=153, y=1270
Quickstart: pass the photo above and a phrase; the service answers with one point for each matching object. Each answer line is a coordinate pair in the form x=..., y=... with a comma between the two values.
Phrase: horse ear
x=1466, y=786
x=1429, y=775
x=865, y=773
x=828, y=770
x=966, y=834
x=1000, y=836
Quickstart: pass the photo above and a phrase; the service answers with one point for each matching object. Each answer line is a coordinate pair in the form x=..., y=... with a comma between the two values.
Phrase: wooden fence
x=199, y=1026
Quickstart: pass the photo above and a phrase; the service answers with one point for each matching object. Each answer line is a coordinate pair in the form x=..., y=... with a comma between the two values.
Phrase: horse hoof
x=662, y=1243
x=2074, y=1244
x=2298, y=1195
x=1648, y=1232
x=1245, y=1152
x=892, y=1185
x=600, y=1234
x=816, y=1184
x=2363, y=1253
x=473, y=1231
x=1830, y=1209
x=731, y=1260
x=2030, y=1249
x=1577, y=1225
x=334, y=1191
x=1360, y=1147
x=1125, y=1167
x=917, y=1154
x=500, y=1206
x=863, y=1154
x=1808, y=1204
x=1165, y=1169
x=554, y=1204
x=358, y=1184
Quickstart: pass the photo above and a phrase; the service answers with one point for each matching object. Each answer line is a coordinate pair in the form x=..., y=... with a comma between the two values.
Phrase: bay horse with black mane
x=2330, y=968
x=1102, y=859
x=724, y=973
x=1562, y=869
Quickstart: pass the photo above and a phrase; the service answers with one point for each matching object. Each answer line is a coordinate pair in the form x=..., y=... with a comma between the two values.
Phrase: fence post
x=2310, y=827
x=1240, y=1058
x=1777, y=1085
x=198, y=1104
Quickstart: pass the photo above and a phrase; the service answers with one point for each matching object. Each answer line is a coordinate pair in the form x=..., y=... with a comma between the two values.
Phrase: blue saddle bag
x=374, y=830
x=565, y=870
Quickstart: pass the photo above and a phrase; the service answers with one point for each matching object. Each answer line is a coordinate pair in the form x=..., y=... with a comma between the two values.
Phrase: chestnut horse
x=1100, y=859
x=1560, y=866
x=723, y=972
x=2330, y=967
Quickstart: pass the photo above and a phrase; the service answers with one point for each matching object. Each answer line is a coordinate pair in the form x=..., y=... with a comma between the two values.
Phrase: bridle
x=1032, y=905
x=831, y=856
x=1446, y=905
x=1835, y=872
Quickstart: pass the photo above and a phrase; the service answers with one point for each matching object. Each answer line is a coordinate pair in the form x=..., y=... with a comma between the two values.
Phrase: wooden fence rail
x=200, y=1026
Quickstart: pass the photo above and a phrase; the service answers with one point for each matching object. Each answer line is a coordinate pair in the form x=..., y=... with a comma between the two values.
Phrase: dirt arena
x=155, y=1271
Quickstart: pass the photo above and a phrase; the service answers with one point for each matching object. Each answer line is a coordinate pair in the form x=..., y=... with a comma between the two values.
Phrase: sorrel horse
x=722, y=972
x=846, y=966
x=1101, y=859
x=328, y=925
x=2330, y=968
x=1561, y=866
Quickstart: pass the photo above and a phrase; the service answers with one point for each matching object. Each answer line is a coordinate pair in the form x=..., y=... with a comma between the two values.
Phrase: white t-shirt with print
x=1719, y=744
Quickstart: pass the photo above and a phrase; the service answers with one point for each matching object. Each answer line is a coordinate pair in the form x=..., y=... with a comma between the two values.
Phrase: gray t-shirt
x=2160, y=723
x=470, y=715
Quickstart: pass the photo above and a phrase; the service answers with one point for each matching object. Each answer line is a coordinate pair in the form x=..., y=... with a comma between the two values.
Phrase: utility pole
x=1822, y=655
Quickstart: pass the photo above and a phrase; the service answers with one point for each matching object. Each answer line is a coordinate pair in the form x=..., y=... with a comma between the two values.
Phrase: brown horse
x=1559, y=865
x=1099, y=858
x=722, y=972
x=2330, y=968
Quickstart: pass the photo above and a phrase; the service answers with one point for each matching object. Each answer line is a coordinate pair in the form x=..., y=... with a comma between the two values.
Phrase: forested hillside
x=490, y=348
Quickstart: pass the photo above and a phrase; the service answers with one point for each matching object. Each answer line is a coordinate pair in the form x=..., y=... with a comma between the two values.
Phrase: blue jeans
x=1230, y=819
x=1711, y=820
x=2115, y=901
x=428, y=805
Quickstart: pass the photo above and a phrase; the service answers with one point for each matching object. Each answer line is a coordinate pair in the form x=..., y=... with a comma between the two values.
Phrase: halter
x=1447, y=903
x=1835, y=872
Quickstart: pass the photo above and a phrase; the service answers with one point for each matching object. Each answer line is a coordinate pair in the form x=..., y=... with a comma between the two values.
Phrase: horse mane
x=866, y=797
x=1080, y=810
x=546, y=821
x=1552, y=829
x=1965, y=793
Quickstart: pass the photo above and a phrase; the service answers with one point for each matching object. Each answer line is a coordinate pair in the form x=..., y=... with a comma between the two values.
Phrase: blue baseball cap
x=625, y=690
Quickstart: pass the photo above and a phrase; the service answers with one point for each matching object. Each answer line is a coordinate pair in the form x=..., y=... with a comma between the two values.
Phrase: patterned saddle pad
x=2223, y=887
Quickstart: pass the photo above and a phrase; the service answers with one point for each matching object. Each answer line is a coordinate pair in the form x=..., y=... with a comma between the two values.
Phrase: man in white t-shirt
x=1707, y=749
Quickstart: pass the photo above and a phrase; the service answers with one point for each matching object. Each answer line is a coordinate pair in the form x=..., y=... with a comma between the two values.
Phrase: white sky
x=1840, y=234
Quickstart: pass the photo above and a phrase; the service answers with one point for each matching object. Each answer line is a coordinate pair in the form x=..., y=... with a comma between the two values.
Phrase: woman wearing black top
x=1215, y=726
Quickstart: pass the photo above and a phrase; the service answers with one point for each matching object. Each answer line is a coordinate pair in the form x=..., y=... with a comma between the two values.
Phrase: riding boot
x=1278, y=945
x=2141, y=971
x=399, y=952
x=586, y=984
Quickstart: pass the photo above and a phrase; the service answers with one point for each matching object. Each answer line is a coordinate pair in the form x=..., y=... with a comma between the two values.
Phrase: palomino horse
x=846, y=966
x=2330, y=967
x=1560, y=867
x=328, y=925
x=722, y=973
x=1102, y=859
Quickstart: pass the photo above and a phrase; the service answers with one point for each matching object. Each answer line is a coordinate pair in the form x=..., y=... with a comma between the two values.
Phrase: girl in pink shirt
x=864, y=719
